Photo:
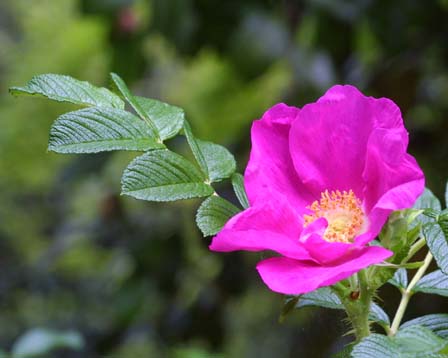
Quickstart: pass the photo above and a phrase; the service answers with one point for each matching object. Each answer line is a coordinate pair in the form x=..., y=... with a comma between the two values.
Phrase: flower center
x=343, y=213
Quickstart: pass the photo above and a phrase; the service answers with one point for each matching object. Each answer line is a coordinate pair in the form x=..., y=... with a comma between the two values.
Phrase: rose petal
x=270, y=166
x=271, y=224
x=293, y=277
x=330, y=252
x=393, y=179
x=328, y=141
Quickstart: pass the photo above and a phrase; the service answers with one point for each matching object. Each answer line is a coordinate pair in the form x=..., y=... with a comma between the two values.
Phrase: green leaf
x=162, y=175
x=195, y=148
x=378, y=315
x=67, y=89
x=400, y=232
x=168, y=119
x=96, y=129
x=220, y=162
x=213, y=213
x=417, y=340
x=323, y=297
x=437, y=243
x=398, y=236
x=238, y=188
x=427, y=201
x=431, y=213
x=393, y=234
x=410, y=342
x=443, y=223
x=436, y=283
x=376, y=346
x=437, y=323
x=400, y=278
x=126, y=93
x=288, y=307
x=379, y=275
x=412, y=214
x=39, y=342
x=216, y=162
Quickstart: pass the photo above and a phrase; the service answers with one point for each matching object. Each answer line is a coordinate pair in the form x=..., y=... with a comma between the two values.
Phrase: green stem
x=358, y=308
x=407, y=294
x=414, y=249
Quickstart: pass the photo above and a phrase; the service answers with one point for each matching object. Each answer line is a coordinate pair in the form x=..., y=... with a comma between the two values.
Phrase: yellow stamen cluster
x=343, y=213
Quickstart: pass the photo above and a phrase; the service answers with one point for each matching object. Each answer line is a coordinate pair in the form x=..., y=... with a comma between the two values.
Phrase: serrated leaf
x=132, y=100
x=213, y=213
x=431, y=213
x=437, y=323
x=411, y=342
x=417, y=339
x=220, y=162
x=96, y=129
x=437, y=243
x=378, y=315
x=195, y=149
x=375, y=346
x=68, y=89
x=240, y=191
x=323, y=297
x=168, y=119
x=400, y=278
x=443, y=223
x=162, y=175
x=436, y=283
x=427, y=201
x=216, y=162
x=39, y=342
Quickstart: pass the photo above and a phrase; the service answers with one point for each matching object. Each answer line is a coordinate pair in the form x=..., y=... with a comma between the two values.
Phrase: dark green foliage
x=410, y=342
x=438, y=323
x=436, y=282
x=213, y=213
x=325, y=297
x=97, y=129
x=167, y=119
x=216, y=162
x=162, y=175
x=64, y=88
x=238, y=187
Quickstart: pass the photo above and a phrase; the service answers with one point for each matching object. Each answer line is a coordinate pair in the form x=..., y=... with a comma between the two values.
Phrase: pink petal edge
x=292, y=277
x=268, y=225
x=270, y=166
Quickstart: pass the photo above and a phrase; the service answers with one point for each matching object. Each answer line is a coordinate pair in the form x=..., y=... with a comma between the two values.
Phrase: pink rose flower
x=321, y=182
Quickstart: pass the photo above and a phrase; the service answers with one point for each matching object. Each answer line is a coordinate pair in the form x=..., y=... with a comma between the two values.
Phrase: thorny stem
x=407, y=293
x=358, y=308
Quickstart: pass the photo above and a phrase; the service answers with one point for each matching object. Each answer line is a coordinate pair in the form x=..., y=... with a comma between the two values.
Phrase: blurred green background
x=115, y=277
